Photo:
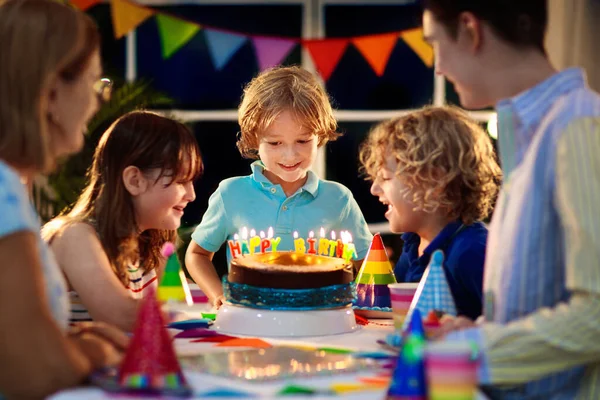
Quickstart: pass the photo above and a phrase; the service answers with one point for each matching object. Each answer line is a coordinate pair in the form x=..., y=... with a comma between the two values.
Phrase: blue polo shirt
x=256, y=203
x=464, y=256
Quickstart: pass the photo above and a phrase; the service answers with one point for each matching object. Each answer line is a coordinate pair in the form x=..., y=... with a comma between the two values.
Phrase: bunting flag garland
x=271, y=51
x=85, y=4
x=376, y=49
x=127, y=16
x=414, y=39
x=222, y=46
x=326, y=53
x=174, y=33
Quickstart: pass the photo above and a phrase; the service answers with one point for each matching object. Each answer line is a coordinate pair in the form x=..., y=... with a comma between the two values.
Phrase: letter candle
x=254, y=241
x=349, y=249
x=323, y=243
x=274, y=241
x=265, y=243
x=311, y=243
x=234, y=246
x=332, y=245
x=299, y=245
x=244, y=241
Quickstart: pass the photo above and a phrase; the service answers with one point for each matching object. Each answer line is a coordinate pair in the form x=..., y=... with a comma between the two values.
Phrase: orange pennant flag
x=326, y=53
x=127, y=16
x=376, y=49
x=414, y=39
x=85, y=4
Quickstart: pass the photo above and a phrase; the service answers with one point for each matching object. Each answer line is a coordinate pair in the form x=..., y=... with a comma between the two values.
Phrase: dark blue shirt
x=464, y=255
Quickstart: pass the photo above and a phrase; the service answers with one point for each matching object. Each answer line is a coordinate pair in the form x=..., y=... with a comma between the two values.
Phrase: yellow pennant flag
x=127, y=16
x=414, y=39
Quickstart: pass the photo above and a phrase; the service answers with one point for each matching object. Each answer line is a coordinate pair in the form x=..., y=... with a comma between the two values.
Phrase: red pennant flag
x=376, y=49
x=326, y=53
x=84, y=4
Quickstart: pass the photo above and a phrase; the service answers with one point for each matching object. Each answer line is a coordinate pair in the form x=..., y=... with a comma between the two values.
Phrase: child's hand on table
x=103, y=344
x=452, y=324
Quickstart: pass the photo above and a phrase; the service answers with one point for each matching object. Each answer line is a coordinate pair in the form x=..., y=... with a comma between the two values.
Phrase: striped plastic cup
x=451, y=371
x=401, y=295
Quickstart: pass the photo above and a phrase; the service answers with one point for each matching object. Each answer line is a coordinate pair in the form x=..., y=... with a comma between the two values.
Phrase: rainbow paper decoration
x=150, y=364
x=372, y=279
x=433, y=292
x=408, y=379
x=173, y=287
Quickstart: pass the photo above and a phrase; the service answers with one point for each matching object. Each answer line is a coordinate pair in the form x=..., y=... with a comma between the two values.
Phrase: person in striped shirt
x=539, y=333
x=108, y=245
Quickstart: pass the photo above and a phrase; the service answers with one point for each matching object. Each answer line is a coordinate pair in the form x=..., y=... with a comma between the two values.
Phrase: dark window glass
x=406, y=82
x=112, y=50
x=189, y=76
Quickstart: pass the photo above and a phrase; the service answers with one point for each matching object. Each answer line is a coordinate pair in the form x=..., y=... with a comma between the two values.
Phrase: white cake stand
x=241, y=320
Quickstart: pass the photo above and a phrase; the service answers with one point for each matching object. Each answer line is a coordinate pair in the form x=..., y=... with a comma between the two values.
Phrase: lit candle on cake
x=234, y=246
x=332, y=245
x=299, y=244
x=274, y=241
x=323, y=243
x=265, y=243
x=254, y=241
x=244, y=241
x=339, y=250
x=349, y=249
x=311, y=243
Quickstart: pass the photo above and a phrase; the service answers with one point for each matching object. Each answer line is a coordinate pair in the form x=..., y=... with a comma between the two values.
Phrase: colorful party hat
x=150, y=364
x=408, y=380
x=433, y=292
x=173, y=287
x=415, y=327
x=372, y=279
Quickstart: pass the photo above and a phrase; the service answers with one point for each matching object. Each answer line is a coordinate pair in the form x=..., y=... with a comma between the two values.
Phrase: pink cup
x=451, y=371
x=401, y=295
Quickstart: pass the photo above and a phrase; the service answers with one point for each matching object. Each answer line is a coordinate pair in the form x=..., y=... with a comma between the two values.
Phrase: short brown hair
x=443, y=157
x=277, y=90
x=40, y=40
x=521, y=23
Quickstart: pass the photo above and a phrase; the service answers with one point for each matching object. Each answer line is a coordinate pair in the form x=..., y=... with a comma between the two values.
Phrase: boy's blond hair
x=39, y=41
x=282, y=89
x=443, y=157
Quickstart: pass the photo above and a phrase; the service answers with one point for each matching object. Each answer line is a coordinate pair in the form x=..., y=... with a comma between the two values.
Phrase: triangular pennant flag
x=173, y=287
x=271, y=51
x=150, y=364
x=376, y=49
x=326, y=53
x=84, y=4
x=433, y=292
x=374, y=276
x=414, y=38
x=127, y=16
x=174, y=33
x=222, y=46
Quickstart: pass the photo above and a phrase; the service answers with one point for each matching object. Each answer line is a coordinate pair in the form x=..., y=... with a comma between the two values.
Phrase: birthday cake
x=289, y=280
x=290, y=270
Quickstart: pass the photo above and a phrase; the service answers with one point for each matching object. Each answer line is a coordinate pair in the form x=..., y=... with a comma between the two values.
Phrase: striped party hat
x=372, y=279
x=173, y=287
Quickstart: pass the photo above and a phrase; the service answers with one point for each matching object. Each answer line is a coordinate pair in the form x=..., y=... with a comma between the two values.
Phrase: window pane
x=112, y=50
x=406, y=82
x=189, y=76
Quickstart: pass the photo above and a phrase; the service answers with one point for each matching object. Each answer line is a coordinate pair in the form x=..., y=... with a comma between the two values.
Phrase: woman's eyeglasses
x=103, y=89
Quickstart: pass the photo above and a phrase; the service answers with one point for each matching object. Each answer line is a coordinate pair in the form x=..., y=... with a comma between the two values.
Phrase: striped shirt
x=540, y=337
x=139, y=282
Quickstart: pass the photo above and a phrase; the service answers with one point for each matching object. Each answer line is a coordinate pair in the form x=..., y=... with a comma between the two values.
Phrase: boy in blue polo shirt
x=437, y=172
x=284, y=117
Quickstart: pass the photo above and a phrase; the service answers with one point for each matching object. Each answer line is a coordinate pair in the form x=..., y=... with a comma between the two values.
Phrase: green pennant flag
x=174, y=33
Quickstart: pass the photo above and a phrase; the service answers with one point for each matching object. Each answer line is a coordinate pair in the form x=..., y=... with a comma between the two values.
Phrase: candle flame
x=344, y=235
x=295, y=235
x=252, y=232
x=262, y=234
x=332, y=235
x=322, y=232
x=244, y=233
x=311, y=234
x=270, y=232
x=236, y=237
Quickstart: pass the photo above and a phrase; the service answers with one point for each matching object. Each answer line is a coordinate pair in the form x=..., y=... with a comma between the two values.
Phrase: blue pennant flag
x=222, y=46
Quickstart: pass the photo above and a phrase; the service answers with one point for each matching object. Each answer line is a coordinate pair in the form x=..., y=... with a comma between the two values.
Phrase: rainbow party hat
x=173, y=287
x=150, y=365
x=433, y=292
x=372, y=292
